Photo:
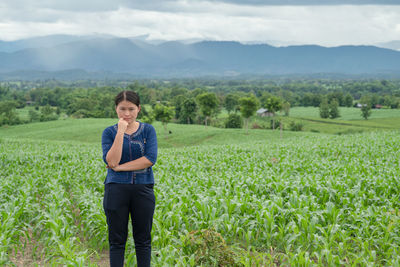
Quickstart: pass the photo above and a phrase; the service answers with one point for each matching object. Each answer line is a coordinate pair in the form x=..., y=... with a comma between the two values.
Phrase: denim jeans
x=119, y=201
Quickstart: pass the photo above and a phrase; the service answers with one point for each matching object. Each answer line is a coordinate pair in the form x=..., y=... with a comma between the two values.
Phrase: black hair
x=130, y=96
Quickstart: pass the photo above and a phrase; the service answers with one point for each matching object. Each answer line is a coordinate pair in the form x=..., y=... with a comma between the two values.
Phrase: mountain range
x=135, y=56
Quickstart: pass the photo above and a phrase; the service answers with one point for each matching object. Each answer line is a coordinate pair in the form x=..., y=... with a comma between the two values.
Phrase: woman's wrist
x=120, y=133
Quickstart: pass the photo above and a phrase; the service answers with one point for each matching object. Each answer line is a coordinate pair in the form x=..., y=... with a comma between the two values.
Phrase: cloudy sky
x=278, y=22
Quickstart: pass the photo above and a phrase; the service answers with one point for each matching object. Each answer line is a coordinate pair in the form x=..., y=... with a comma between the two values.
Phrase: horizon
x=144, y=38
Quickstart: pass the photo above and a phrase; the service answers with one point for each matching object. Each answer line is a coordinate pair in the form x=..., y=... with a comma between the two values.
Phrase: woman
x=130, y=151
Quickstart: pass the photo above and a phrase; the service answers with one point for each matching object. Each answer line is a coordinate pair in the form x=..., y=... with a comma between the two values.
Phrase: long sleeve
x=150, y=140
x=106, y=142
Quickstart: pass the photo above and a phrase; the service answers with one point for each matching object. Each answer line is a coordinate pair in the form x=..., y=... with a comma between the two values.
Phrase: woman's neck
x=132, y=127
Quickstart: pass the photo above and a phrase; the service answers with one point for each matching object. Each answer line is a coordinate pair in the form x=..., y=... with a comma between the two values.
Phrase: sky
x=277, y=22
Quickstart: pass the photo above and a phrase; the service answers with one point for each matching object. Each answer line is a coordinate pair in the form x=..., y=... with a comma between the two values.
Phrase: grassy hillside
x=90, y=130
x=350, y=120
x=346, y=113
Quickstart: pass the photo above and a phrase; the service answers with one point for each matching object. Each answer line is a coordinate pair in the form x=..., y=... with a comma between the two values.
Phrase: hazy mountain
x=43, y=42
x=395, y=45
x=135, y=56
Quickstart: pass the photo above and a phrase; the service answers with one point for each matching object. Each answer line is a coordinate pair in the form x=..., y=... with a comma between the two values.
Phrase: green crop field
x=224, y=198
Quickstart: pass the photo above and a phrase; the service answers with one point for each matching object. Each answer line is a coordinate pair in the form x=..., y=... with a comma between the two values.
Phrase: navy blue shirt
x=142, y=143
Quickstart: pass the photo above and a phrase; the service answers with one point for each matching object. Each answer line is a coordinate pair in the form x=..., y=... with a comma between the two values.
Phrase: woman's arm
x=150, y=154
x=115, y=153
x=134, y=165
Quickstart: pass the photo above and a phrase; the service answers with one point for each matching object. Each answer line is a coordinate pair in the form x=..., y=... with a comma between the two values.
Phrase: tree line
x=194, y=101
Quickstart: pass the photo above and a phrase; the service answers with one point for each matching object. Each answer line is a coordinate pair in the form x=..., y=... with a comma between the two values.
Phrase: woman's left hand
x=116, y=168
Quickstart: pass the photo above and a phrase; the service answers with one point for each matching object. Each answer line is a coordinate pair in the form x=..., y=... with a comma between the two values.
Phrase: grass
x=349, y=122
x=90, y=130
x=23, y=113
x=81, y=130
x=346, y=114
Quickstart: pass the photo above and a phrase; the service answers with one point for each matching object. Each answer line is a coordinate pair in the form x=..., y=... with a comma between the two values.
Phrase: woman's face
x=128, y=111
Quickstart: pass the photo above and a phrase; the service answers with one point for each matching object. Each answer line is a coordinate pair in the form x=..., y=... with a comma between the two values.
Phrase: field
x=347, y=114
x=223, y=197
x=350, y=120
x=89, y=131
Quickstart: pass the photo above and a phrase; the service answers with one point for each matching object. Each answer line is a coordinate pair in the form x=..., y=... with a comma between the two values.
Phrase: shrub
x=34, y=116
x=210, y=249
x=234, y=121
x=219, y=123
x=147, y=119
x=274, y=123
x=51, y=117
x=81, y=113
x=296, y=126
x=260, y=125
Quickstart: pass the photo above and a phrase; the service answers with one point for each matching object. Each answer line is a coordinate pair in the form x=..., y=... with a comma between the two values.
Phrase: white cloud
x=177, y=20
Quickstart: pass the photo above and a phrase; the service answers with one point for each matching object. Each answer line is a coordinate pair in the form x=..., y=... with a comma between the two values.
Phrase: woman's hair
x=130, y=96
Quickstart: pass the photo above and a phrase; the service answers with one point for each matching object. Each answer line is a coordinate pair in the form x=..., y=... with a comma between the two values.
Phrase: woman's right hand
x=122, y=125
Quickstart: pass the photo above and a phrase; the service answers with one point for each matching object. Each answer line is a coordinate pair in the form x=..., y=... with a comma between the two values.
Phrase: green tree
x=47, y=110
x=338, y=96
x=8, y=114
x=47, y=114
x=145, y=116
x=311, y=100
x=164, y=114
x=334, y=109
x=177, y=101
x=34, y=116
x=264, y=97
x=273, y=104
x=395, y=103
x=374, y=98
x=198, y=91
x=6, y=107
x=147, y=95
x=366, y=105
x=176, y=91
x=248, y=107
x=324, y=109
x=348, y=100
x=286, y=108
x=208, y=103
x=83, y=105
x=231, y=102
x=366, y=111
x=189, y=109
